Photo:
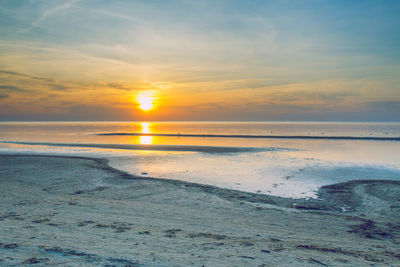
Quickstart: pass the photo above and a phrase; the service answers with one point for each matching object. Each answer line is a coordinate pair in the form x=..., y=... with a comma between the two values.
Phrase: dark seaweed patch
x=35, y=260
x=369, y=229
x=171, y=232
x=10, y=246
x=207, y=235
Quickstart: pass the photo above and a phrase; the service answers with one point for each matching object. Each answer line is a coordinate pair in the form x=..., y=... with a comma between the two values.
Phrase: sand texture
x=80, y=212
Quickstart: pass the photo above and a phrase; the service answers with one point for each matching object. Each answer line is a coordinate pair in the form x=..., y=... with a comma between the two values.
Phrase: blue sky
x=204, y=60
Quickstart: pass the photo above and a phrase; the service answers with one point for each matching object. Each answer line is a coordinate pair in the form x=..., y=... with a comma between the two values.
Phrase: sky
x=200, y=60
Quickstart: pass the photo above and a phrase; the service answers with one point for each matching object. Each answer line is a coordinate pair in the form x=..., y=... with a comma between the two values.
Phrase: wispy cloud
x=11, y=88
x=26, y=75
x=118, y=85
x=53, y=11
x=59, y=87
x=115, y=15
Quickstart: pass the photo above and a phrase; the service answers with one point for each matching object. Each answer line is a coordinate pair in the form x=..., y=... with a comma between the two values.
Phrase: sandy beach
x=80, y=212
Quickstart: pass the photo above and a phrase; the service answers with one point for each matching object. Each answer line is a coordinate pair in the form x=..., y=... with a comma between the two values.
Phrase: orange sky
x=200, y=61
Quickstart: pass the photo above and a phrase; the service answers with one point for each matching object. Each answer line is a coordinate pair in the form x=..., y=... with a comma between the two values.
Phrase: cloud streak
x=7, y=72
x=11, y=88
x=53, y=11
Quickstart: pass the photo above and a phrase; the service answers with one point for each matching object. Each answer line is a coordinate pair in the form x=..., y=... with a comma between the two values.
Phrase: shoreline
x=179, y=148
x=188, y=223
x=327, y=199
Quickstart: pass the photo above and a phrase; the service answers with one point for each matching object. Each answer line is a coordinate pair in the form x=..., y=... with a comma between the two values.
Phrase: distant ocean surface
x=289, y=159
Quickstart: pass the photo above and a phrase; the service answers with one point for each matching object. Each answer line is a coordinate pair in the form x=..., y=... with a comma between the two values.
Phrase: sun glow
x=145, y=100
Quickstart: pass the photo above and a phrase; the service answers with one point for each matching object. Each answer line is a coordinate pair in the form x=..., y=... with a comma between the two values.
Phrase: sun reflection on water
x=146, y=140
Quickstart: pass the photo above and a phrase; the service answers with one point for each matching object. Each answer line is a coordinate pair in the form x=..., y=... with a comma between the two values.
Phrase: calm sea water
x=290, y=159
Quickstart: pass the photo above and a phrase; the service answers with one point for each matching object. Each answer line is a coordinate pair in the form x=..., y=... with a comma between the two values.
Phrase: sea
x=287, y=159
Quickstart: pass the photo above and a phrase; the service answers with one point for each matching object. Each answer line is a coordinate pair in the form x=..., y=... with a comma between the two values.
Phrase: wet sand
x=79, y=211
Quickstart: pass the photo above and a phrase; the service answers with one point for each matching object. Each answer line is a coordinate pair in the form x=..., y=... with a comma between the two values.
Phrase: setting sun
x=145, y=100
